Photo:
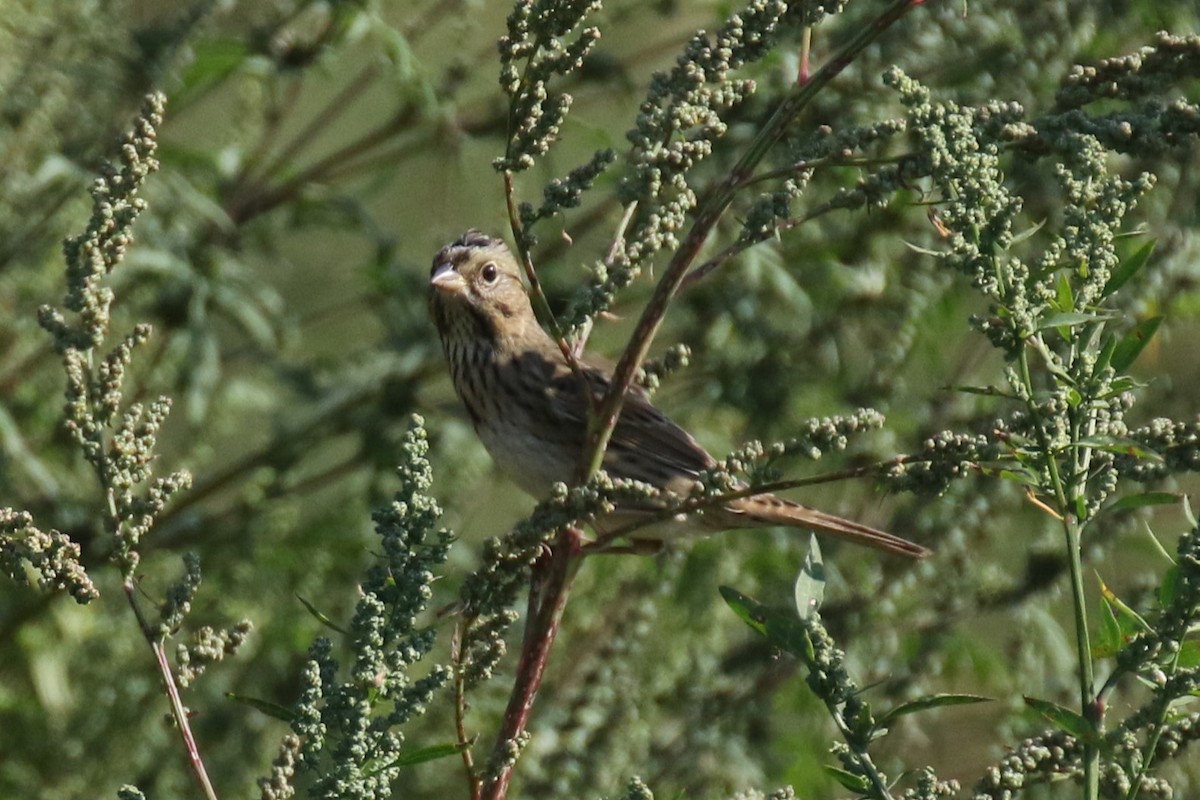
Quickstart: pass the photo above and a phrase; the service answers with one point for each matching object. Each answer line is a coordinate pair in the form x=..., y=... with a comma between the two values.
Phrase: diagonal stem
x=554, y=582
x=178, y=710
x=604, y=422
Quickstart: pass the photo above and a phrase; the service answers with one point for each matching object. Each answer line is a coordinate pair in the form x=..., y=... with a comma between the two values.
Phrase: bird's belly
x=530, y=462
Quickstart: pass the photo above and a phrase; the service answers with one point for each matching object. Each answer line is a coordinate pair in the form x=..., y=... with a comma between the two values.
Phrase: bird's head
x=475, y=289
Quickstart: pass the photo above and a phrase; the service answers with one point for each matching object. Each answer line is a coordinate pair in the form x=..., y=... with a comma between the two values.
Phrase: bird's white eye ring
x=490, y=273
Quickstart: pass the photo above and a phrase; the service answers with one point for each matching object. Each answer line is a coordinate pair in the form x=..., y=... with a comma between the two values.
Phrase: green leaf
x=1129, y=348
x=1106, y=353
x=1119, y=445
x=212, y=62
x=1070, y=319
x=1064, y=719
x=1168, y=590
x=1027, y=233
x=265, y=706
x=1158, y=546
x=1127, y=269
x=1189, y=654
x=321, y=618
x=1145, y=499
x=752, y=612
x=810, y=583
x=1065, y=299
x=925, y=251
x=1108, y=640
x=1131, y=622
x=931, y=701
x=431, y=753
x=783, y=629
x=988, y=391
x=1023, y=478
x=855, y=783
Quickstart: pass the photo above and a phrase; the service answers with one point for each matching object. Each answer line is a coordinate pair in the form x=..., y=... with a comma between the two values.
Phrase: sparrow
x=529, y=409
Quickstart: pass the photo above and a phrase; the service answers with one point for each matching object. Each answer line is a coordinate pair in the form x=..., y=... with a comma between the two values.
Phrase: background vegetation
x=313, y=158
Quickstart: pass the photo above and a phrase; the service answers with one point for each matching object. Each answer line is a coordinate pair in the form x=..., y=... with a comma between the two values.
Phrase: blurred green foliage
x=315, y=155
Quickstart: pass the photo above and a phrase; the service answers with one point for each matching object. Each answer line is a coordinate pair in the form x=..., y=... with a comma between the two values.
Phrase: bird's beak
x=446, y=279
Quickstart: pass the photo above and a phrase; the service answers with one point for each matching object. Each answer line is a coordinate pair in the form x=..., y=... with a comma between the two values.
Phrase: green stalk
x=1083, y=645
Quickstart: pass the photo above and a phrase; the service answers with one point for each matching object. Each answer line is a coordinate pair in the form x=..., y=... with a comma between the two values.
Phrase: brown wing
x=646, y=444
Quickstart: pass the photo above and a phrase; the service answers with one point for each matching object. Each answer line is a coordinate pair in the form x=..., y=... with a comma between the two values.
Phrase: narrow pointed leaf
x=274, y=710
x=1108, y=640
x=931, y=701
x=1065, y=298
x=1127, y=269
x=1145, y=499
x=750, y=610
x=1064, y=719
x=1129, y=348
x=855, y=783
x=1070, y=319
x=431, y=753
x=321, y=618
x=1130, y=620
x=810, y=583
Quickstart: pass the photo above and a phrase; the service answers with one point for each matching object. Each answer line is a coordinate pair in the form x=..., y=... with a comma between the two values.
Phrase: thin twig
x=461, y=631
x=538, y=295
x=178, y=711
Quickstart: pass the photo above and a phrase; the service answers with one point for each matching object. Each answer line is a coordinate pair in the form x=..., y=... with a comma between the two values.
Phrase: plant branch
x=551, y=588
x=460, y=705
x=603, y=423
x=178, y=711
x=537, y=294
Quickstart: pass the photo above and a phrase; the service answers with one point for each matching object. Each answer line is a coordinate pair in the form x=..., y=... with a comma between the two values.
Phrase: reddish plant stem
x=551, y=586
x=603, y=423
x=178, y=710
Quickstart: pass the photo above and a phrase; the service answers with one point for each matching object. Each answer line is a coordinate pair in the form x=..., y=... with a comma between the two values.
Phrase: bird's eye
x=489, y=273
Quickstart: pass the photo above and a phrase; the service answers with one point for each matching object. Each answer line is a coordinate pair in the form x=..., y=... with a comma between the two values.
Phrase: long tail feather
x=771, y=510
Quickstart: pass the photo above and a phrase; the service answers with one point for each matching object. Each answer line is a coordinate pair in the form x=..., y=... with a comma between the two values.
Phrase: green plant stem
x=1071, y=530
x=535, y=289
x=603, y=423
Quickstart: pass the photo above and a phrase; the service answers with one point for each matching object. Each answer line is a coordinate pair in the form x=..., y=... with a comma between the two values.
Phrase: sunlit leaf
x=1065, y=298
x=1107, y=642
x=1145, y=499
x=931, y=701
x=1070, y=319
x=431, y=753
x=752, y=612
x=1131, y=622
x=810, y=583
x=1127, y=269
x=855, y=783
x=1064, y=719
x=1118, y=445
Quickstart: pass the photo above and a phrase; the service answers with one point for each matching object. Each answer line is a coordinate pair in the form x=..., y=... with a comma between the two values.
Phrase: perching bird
x=528, y=407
